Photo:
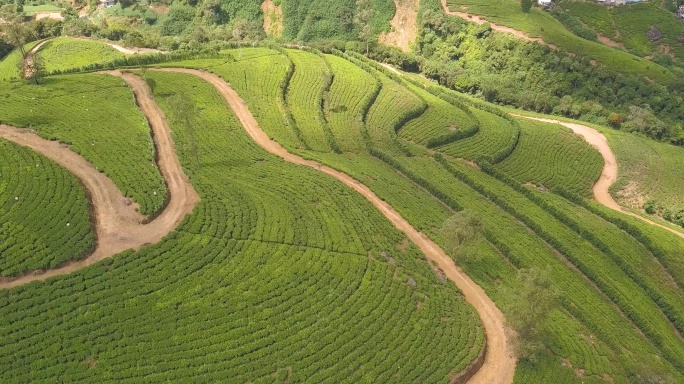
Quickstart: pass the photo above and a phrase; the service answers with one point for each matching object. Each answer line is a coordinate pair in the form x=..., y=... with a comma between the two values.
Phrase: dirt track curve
x=499, y=365
x=118, y=225
x=496, y=27
x=28, y=60
x=609, y=174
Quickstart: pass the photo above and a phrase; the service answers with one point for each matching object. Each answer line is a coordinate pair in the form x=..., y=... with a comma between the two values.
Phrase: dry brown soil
x=273, y=18
x=404, y=25
x=499, y=365
x=118, y=226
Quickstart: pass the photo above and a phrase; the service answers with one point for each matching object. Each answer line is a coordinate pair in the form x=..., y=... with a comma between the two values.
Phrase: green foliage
x=538, y=23
x=177, y=20
x=575, y=25
x=552, y=156
x=44, y=215
x=110, y=131
x=10, y=65
x=308, y=20
x=502, y=69
x=462, y=233
x=319, y=273
x=65, y=53
x=526, y=5
x=528, y=309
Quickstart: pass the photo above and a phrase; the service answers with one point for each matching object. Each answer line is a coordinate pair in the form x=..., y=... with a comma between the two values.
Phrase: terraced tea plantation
x=96, y=115
x=65, y=53
x=44, y=214
x=283, y=274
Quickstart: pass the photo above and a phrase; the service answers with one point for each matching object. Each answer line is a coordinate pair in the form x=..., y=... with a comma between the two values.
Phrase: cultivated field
x=284, y=274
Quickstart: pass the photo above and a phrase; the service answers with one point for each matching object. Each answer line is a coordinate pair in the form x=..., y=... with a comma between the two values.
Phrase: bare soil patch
x=404, y=25
x=611, y=43
x=273, y=18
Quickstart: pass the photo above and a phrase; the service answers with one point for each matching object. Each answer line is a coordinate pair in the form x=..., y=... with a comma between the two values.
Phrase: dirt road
x=118, y=226
x=124, y=50
x=609, y=174
x=496, y=27
x=499, y=365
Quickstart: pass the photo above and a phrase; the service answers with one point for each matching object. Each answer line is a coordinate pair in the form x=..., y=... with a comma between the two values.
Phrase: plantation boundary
x=499, y=363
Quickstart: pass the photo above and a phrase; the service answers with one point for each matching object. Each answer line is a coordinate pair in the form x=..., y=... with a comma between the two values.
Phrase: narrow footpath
x=499, y=364
x=118, y=225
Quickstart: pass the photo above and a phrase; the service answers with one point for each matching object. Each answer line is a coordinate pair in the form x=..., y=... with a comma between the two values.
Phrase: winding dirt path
x=479, y=20
x=28, y=60
x=118, y=226
x=122, y=49
x=499, y=365
x=609, y=174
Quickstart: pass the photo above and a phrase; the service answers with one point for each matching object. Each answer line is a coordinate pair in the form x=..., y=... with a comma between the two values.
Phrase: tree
x=16, y=32
x=362, y=19
x=33, y=68
x=526, y=5
x=184, y=112
x=461, y=233
x=614, y=119
x=527, y=308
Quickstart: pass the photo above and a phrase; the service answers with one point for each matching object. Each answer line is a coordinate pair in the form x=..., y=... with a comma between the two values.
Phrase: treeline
x=504, y=70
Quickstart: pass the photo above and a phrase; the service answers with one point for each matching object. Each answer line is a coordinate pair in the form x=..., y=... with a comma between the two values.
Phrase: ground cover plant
x=304, y=95
x=649, y=174
x=538, y=23
x=351, y=93
x=10, y=65
x=279, y=275
x=110, y=132
x=552, y=156
x=629, y=25
x=45, y=218
x=495, y=135
x=270, y=244
x=65, y=53
x=529, y=233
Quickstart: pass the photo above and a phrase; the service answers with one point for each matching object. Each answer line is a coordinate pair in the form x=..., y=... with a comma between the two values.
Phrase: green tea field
x=271, y=214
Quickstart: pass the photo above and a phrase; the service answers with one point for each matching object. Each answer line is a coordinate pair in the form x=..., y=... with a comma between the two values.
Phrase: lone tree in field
x=526, y=5
x=184, y=112
x=362, y=19
x=33, y=68
x=527, y=308
x=461, y=233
